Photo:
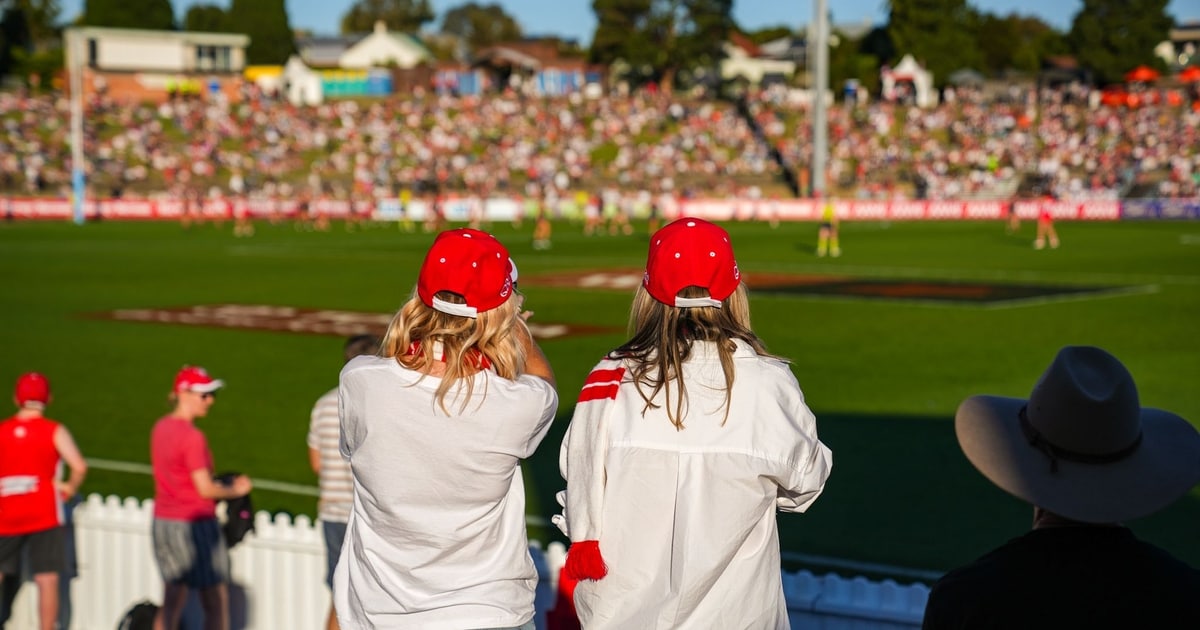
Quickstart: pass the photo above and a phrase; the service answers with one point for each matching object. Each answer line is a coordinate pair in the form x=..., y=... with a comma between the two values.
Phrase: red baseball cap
x=691, y=252
x=192, y=378
x=32, y=387
x=470, y=263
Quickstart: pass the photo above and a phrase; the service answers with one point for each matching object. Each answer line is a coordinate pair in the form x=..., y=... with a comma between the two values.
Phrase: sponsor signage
x=459, y=209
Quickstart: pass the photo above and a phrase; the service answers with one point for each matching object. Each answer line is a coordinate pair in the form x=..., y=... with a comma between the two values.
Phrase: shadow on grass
x=901, y=494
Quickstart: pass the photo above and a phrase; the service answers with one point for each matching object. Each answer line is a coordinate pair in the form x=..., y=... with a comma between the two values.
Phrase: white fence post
x=278, y=574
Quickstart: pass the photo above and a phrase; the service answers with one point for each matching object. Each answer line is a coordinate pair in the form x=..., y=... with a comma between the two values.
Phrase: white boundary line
x=997, y=305
x=145, y=469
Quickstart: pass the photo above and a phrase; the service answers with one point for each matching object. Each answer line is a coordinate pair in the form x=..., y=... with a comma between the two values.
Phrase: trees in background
x=266, y=22
x=206, y=18
x=405, y=16
x=1111, y=37
x=30, y=39
x=481, y=25
x=937, y=33
x=656, y=39
x=145, y=14
x=1016, y=42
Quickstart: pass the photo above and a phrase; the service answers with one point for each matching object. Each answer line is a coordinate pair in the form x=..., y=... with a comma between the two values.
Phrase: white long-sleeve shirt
x=685, y=519
x=436, y=537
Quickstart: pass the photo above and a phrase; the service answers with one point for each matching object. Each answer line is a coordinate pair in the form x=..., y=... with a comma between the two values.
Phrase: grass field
x=884, y=376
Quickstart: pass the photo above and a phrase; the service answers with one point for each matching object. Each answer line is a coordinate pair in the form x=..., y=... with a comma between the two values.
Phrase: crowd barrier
x=278, y=579
x=463, y=208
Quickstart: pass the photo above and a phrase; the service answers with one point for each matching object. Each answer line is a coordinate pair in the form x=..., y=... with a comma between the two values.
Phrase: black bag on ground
x=140, y=617
x=239, y=513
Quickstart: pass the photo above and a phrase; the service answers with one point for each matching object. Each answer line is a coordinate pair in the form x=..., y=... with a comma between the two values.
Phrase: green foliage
x=206, y=18
x=481, y=25
x=155, y=15
x=266, y=22
x=883, y=377
x=658, y=38
x=1016, y=42
x=1111, y=37
x=937, y=33
x=405, y=16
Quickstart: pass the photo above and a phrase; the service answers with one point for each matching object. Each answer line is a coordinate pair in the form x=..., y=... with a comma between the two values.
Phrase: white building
x=139, y=64
x=909, y=82
x=382, y=49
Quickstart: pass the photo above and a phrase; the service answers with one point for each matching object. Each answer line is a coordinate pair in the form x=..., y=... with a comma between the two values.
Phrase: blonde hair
x=661, y=338
x=462, y=341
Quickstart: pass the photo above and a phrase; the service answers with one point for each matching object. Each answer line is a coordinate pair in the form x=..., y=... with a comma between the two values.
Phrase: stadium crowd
x=506, y=144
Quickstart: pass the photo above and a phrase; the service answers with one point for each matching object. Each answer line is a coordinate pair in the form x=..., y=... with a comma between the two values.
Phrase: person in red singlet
x=32, y=447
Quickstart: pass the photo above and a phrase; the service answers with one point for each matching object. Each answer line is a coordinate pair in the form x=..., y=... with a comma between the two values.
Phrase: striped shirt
x=324, y=430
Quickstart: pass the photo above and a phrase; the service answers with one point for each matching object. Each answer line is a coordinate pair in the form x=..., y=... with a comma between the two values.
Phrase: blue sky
x=574, y=18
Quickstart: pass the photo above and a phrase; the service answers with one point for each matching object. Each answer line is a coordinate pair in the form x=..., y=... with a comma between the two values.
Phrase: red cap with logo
x=192, y=378
x=32, y=388
x=470, y=263
x=691, y=252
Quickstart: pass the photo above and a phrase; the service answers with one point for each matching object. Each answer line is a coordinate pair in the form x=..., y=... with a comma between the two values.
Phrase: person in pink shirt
x=188, y=546
x=32, y=447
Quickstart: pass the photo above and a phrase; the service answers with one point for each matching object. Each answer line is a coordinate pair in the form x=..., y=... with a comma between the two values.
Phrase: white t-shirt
x=685, y=519
x=436, y=538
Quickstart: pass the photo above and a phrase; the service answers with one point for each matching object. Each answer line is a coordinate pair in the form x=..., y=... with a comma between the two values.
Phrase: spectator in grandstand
x=435, y=429
x=333, y=473
x=32, y=448
x=188, y=545
x=689, y=419
x=1089, y=458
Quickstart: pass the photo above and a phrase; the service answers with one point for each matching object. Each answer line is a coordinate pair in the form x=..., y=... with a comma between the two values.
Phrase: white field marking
x=1071, y=297
x=1189, y=239
x=265, y=484
x=922, y=273
x=861, y=567
x=986, y=306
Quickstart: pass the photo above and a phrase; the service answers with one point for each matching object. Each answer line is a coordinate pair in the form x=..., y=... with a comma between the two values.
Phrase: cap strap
x=1055, y=453
x=462, y=310
x=682, y=302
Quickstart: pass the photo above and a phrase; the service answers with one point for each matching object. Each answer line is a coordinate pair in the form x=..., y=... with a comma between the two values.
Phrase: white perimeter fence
x=279, y=579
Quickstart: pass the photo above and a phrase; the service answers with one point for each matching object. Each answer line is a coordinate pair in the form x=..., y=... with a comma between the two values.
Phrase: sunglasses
x=207, y=395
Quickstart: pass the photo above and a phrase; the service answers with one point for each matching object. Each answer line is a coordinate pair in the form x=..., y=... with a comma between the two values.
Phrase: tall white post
x=75, y=62
x=818, y=55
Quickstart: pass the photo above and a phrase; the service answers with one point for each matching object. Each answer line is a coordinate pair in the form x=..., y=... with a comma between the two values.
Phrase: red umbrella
x=1190, y=74
x=1141, y=74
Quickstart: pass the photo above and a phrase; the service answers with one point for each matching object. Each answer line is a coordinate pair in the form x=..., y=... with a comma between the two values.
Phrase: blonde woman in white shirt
x=685, y=442
x=435, y=430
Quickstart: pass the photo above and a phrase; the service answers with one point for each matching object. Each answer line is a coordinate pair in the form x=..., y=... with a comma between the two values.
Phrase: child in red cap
x=188, y=546
x=685, y=442
x=435, y=430
x=31, y=494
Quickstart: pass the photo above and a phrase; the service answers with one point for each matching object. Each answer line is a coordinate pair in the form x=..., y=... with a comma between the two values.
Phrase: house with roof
x=533, y=66
x=139, y=65
x=748, y=61
x=353, y=66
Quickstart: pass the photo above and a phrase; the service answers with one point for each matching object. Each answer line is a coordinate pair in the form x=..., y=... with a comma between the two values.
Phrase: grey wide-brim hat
x=1082, y=446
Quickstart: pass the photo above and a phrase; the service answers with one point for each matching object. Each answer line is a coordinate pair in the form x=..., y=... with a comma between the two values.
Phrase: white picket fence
x=279, y=569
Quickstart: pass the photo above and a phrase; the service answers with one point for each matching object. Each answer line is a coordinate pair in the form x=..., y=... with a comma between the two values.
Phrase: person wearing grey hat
x=1085, y=453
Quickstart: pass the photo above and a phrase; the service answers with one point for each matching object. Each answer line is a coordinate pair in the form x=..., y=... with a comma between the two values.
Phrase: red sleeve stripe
x=604, y=376
x=599, y=392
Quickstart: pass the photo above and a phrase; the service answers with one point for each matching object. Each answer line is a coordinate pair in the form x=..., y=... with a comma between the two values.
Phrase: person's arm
x=69, y=452
x=314, y=459
x=208, y=488
x=536, y=363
